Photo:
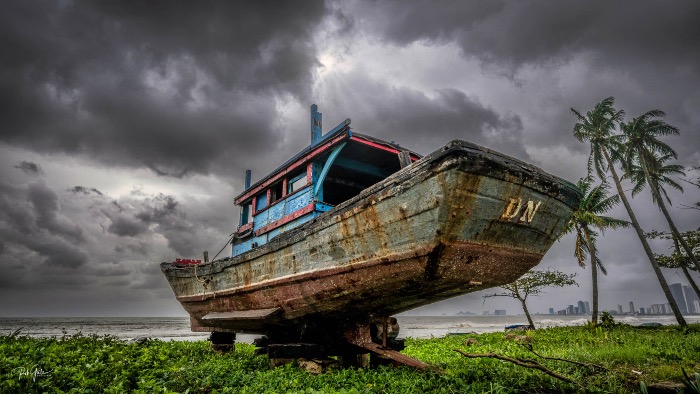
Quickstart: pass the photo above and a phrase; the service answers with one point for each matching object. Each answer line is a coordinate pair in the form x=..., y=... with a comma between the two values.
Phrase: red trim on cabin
x=286, y=219
x=380, y=146
x=244, y=227
x=302, y=160
x=285, y=186
x=310, y=173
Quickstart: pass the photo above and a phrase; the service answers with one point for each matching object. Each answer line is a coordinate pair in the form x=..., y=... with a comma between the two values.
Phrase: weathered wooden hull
x=459, y=220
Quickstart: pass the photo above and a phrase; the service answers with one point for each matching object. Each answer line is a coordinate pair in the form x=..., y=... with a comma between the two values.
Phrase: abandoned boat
x=354, y=229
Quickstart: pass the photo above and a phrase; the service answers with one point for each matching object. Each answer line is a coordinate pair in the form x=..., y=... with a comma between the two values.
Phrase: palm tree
x=644, y=164
x=597, y=128
x=595, y=202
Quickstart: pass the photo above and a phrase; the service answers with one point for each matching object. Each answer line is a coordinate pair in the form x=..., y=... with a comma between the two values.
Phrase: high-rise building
x=657, y=309
x=551, y=311
x=570, y=310
x=499, y=312
x=632, y=308
x=690, y=299
x=619, y=309
x=677, y=292
x=641, y=311
x=581, y=308
x=588, y=307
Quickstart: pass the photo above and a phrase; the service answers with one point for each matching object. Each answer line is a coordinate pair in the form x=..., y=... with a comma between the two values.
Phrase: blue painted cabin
x=335, y=167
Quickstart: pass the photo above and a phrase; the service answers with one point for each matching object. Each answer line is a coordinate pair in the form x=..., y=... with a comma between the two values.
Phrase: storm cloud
x=29, y=167
x=637, y=51
x=527, y=32
x=31, y=224
x=158, y=84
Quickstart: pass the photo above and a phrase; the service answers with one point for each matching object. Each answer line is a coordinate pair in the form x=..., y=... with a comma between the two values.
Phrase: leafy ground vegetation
x=95, y=364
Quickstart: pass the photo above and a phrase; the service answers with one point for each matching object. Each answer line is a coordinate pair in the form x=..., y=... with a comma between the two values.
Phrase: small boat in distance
x=354, y=229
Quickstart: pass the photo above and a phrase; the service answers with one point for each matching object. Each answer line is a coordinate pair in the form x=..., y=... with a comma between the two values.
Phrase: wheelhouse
x=334, y=168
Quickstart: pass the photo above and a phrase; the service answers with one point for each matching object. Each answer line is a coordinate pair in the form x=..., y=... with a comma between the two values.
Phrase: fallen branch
x=593, y=366
x=532, y=364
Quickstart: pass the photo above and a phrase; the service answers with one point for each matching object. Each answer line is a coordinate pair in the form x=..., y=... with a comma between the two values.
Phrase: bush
x=607, y=321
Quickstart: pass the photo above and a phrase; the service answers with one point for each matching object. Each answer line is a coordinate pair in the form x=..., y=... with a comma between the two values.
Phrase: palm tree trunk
x=671, y=224
x=645, y=244
x=527, y=313
x=594, y=274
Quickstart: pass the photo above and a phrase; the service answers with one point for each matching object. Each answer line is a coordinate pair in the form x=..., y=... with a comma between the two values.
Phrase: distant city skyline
x=685, y=296
x=559, y=298
x=688, y=303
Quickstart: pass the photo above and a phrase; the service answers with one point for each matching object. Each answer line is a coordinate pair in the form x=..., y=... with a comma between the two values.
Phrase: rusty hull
x=459, y=220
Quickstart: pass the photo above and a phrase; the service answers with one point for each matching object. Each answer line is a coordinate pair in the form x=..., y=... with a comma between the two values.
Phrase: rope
x=196, y=276
x=225, y=245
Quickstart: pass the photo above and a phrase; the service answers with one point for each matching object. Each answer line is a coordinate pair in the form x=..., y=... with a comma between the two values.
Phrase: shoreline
x=178, y=329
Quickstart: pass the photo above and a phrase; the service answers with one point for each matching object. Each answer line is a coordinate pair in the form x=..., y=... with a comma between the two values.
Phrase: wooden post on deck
x=404, y=158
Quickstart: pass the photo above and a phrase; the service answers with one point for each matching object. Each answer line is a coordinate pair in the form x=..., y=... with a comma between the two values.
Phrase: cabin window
x=339, y=189
x=276, y=192
x=357, y=167
x=247, y=213
x=261, y=201
x=297, y=182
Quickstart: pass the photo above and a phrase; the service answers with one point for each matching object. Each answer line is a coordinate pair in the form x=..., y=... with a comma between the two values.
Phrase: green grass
x=85, y=364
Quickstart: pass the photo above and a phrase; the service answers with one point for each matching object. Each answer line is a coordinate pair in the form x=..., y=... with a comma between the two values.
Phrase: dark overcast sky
x=125, y=128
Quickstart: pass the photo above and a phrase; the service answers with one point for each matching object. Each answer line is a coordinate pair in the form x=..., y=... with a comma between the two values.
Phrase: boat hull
x=460, y=220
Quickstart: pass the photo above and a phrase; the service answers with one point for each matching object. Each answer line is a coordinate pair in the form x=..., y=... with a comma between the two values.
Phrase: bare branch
x=524, y=363
x=593, y=366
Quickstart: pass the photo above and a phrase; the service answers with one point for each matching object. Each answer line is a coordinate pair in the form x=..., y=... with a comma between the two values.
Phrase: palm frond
x=597, y=127
x=580, y=250
x=599, y=263
x=647, y=155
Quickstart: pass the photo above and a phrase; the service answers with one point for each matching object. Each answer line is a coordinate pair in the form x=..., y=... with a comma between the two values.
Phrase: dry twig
x=532, y=364
x=593, y=366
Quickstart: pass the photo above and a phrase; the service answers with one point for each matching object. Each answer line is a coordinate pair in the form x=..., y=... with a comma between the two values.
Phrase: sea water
x=178, y=328
x=440, y=326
